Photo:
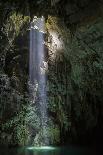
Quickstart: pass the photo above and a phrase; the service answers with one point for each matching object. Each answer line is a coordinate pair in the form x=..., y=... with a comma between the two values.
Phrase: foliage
x=13, y=26
x=53, y=134
x=74, y=85
x=48, y=135
x=74, y=80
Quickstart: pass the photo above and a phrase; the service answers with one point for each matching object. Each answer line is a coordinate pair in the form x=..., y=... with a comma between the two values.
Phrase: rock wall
x=73, y=46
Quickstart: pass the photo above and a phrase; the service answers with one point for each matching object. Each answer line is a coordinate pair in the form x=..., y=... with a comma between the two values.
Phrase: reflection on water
x=55, y=151
x=40, y=151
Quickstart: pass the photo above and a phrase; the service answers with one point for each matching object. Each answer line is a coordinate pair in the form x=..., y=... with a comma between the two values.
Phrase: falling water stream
x=37, y=75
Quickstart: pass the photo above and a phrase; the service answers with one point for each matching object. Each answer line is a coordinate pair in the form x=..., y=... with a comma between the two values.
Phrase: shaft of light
x=37, y=75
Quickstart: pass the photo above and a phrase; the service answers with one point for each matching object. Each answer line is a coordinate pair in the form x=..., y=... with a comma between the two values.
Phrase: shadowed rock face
x=73, y=11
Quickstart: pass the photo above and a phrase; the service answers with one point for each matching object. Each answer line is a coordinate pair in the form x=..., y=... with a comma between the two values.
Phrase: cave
x=51, y=76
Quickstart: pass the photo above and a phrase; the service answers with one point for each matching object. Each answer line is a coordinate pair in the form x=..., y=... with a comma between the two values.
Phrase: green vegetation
x=74, y=86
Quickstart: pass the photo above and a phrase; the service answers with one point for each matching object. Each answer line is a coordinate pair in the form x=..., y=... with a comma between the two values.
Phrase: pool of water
x=70, y=150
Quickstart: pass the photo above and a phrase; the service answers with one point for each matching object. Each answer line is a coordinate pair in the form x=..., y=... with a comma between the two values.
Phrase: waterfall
x=37, y=73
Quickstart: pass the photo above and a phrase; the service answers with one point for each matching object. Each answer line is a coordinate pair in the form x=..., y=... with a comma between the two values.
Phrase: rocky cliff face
x=73, y=47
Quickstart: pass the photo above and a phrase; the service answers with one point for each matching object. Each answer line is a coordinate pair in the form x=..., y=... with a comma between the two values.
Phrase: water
x=37, y=72
x=71, y=150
